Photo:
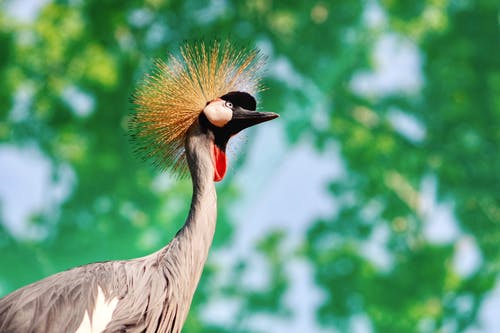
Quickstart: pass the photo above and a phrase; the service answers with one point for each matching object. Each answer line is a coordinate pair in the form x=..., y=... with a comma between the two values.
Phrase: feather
x=101, y=314
x=170, y=99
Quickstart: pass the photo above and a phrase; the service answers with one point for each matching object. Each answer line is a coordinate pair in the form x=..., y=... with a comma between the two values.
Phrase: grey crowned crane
x=186, y=112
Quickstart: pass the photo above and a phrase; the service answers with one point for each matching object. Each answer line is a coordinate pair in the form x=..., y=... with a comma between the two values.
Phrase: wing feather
x=139, y=295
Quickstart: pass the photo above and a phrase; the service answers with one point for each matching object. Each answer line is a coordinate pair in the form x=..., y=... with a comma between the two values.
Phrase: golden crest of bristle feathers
x=170, y=100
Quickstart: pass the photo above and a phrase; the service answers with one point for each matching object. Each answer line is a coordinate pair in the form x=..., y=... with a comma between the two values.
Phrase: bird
x=185, y=113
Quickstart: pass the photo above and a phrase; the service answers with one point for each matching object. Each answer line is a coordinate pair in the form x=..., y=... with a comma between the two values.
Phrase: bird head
x=212, y=85
x=226, y=116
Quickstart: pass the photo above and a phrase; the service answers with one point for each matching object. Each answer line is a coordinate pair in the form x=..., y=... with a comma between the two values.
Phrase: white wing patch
x=101, y=316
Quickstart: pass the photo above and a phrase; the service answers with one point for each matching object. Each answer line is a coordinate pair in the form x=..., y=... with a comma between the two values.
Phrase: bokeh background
x=370, y=205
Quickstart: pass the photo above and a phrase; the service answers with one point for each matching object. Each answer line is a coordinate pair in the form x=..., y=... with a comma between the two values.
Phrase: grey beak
x=243, y=118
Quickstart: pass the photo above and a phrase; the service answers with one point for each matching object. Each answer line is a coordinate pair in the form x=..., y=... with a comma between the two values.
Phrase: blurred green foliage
x=102, y=48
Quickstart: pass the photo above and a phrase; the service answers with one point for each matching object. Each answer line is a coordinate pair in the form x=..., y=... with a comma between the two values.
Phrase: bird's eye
x=229, y=105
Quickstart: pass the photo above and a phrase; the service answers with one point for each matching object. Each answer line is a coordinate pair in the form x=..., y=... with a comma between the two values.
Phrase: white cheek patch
x=217, y=113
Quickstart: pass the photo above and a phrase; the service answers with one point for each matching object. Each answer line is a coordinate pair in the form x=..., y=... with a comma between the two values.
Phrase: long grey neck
x=198, y=146
x=193, y=241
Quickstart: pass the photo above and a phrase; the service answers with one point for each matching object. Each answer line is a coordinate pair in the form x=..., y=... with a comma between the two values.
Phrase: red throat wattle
x=220, y=163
